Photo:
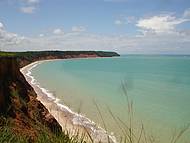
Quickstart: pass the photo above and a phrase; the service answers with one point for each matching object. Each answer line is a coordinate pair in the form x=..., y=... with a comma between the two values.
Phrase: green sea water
x=158, y=86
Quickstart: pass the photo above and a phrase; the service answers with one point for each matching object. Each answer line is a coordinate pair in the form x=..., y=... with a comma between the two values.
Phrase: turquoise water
x=159, y=87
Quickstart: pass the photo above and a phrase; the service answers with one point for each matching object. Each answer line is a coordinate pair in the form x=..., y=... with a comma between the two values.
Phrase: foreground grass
x=7, y=136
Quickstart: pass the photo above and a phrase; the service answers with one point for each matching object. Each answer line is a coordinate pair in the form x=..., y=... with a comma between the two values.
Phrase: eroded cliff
x=19, y=108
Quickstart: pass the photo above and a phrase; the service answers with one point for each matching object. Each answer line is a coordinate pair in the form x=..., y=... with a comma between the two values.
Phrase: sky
x=124, y=26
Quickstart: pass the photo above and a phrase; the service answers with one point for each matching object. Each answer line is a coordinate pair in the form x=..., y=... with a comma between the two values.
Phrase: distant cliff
x=25, y=58
x=19, y=108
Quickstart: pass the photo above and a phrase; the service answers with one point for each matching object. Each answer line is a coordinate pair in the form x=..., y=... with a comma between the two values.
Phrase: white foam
x=96, y=132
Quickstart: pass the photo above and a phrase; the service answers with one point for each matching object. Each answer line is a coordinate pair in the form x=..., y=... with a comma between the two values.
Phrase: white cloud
x=41, y=35
x=28, y=6
x=148, y=44
x=8, y=38
x=187, y=13
x=123, y=20
x=58, y=31
x=32, y=1
x=78, y=29
x=1, y=26
x=28, y=9
x=118, y=22
x=161, y=23
x=159, y=35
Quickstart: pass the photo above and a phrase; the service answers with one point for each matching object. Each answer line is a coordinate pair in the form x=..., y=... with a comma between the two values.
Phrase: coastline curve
x=68, y=119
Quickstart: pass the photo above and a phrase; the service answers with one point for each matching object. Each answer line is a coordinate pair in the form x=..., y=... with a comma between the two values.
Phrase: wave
x=96, y=132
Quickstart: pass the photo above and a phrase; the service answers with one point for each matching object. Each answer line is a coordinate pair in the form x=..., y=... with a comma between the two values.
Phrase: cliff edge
x=19, y=108
x=25, y=58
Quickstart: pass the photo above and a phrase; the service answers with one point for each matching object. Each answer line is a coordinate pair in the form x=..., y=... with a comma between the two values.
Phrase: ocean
x=157, y=87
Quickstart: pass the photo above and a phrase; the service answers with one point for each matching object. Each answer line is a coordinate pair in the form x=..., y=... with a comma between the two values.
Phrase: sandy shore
x=70, y=121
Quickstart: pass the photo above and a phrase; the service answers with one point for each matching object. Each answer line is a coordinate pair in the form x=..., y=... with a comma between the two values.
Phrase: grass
x=7, y=136
x=5, y=54
x=33, y=54
x=15, y=93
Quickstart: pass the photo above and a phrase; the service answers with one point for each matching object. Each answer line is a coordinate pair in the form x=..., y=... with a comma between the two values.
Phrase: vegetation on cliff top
x=25, y=58
x=57, y=53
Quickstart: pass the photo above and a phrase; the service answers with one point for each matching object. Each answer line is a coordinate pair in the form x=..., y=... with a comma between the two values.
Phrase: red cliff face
x=28, y=57
x=25, y=61
x=18, y=103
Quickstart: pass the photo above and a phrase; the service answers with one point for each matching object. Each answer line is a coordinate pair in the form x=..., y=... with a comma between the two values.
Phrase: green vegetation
x=25, y=58
x=6, y=54
x=33, y=54
x=14, y=93
x=7, y=136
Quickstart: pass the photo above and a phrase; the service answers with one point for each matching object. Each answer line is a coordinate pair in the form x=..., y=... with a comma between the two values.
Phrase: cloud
x=8, y=38
x=187, y=13
x=28, y=9
x=41, y=35
x=148, y=44
x=158, y=35
x=123, y=20
x=119, y=22
x=1, y=26
x=32, y=1
x=78, y=29
x=58, y=31
x=29, y=6
x=161, y=23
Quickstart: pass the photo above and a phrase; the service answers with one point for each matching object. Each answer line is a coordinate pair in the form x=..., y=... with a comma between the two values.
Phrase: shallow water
x=159, y=87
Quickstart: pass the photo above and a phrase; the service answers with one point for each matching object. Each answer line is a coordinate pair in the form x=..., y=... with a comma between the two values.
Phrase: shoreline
x=70, y=121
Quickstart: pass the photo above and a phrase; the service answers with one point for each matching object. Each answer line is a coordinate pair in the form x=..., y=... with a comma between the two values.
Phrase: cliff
x=19, y=108
x=25, y=58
